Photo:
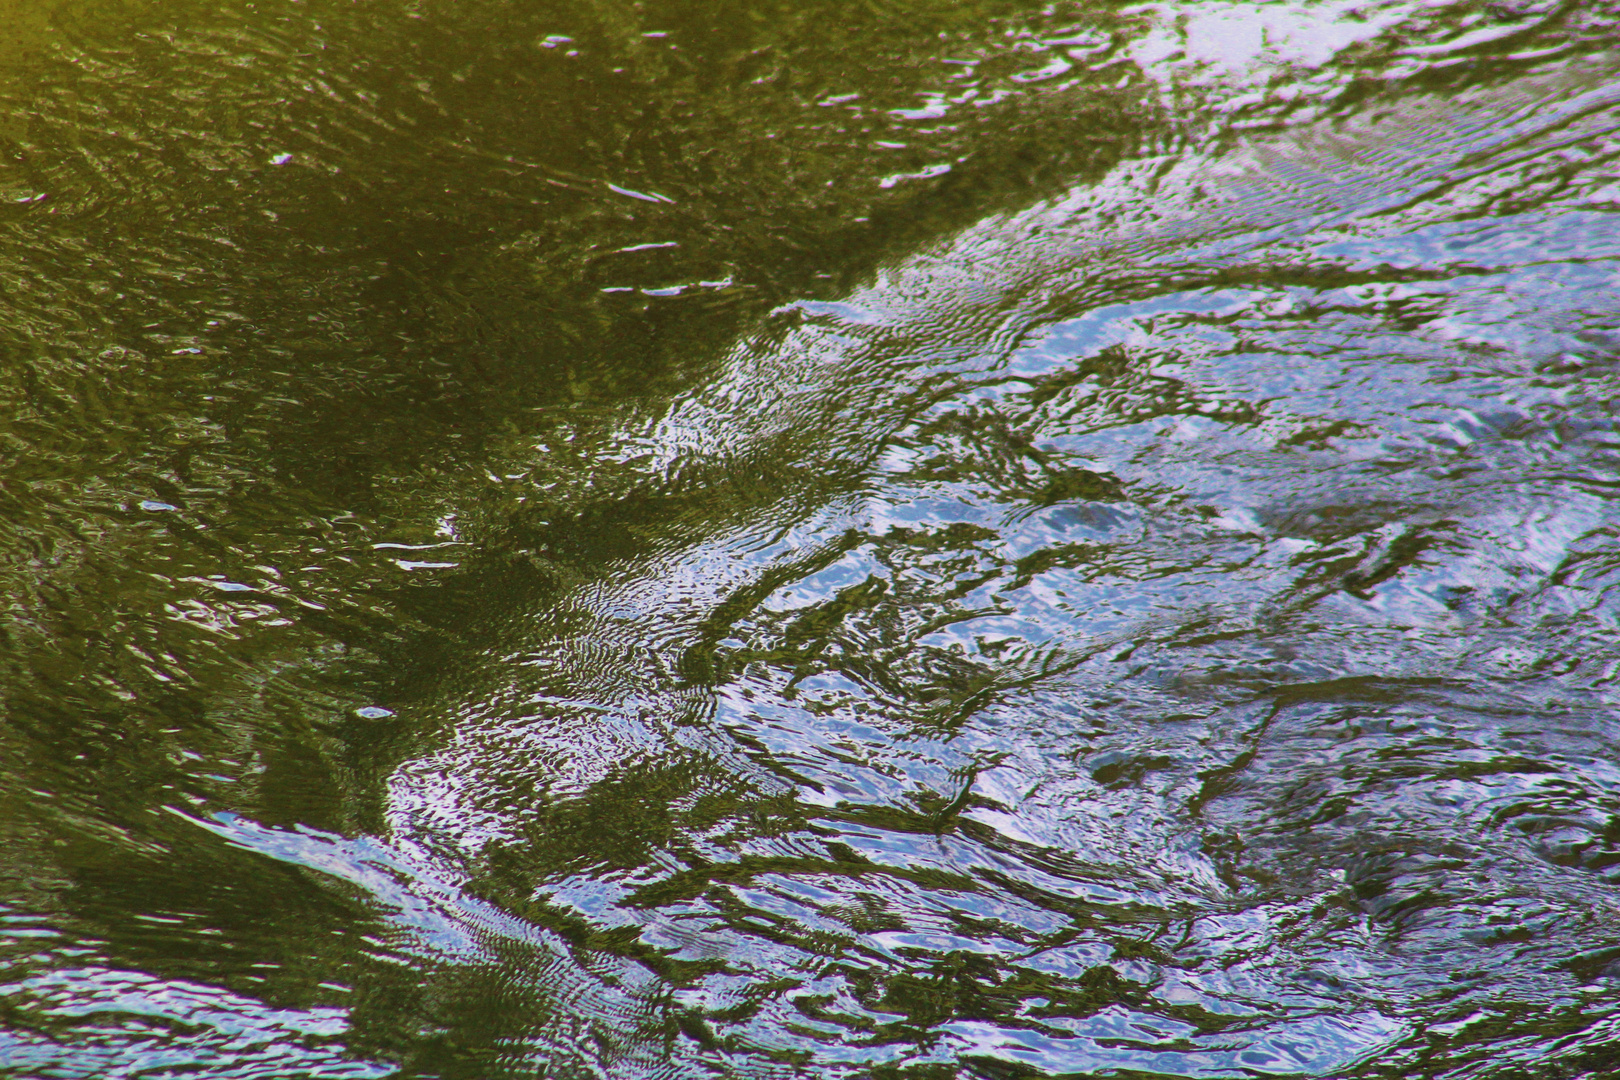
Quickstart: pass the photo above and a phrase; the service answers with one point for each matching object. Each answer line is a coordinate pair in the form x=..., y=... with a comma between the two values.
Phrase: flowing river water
x=794, y=538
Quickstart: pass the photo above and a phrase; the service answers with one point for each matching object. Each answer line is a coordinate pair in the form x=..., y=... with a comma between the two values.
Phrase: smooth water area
x=916, y=538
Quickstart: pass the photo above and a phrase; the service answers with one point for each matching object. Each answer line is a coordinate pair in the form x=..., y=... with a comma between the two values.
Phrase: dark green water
x=759, y=539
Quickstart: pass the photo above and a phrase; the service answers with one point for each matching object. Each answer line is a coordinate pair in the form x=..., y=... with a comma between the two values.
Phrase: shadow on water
x=778, y=541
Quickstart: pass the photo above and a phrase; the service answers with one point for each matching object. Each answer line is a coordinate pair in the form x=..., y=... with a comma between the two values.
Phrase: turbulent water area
x=806, y=538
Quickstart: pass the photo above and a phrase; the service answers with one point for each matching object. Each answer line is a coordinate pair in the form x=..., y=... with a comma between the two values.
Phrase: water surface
x=748, y=539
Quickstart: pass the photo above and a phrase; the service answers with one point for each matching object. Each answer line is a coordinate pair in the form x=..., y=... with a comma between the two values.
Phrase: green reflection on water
x=282, y=278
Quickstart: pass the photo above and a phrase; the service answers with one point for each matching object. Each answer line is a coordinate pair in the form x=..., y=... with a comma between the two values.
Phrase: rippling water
x=764, y=539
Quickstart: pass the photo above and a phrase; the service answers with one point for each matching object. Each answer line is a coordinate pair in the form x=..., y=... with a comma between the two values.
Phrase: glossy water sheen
x=776, y=538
